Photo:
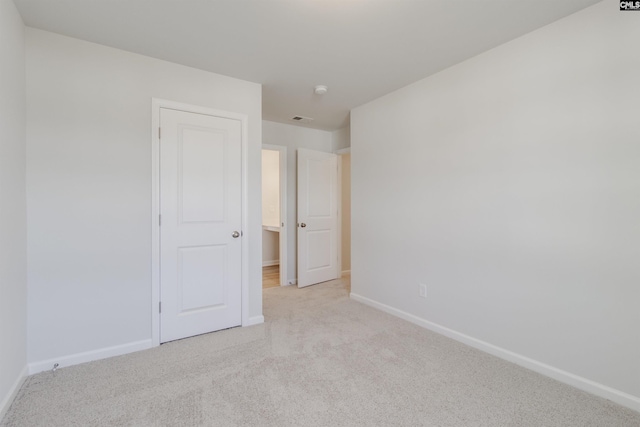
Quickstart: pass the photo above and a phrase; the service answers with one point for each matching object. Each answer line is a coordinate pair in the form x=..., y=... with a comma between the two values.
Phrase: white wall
x=89, y=189
x=294, y=137
x=341, y=139
x=13, y=234
x=271, y=188
x=270, y=248
x=510, y=185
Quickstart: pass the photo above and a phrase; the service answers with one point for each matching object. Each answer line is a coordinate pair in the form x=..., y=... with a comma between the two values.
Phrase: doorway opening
x=274, y=210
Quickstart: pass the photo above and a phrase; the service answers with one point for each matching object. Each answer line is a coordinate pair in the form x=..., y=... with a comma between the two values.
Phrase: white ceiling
x=361, y=49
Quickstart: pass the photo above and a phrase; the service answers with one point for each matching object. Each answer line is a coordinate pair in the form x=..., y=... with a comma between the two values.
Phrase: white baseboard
x=13, y=391
x=292, y=282
x=270, y=263
x=620, y=397
x=89, y=356
x=255, y=320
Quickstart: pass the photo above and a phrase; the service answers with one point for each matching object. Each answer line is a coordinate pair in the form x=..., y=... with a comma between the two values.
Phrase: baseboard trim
x=270, y=263
x=601, y=390
x=13, y=391
x=346, y=272
x=89, y=356
x=255, y=320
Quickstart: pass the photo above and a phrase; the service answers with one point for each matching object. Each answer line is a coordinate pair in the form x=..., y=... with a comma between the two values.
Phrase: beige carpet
x=319, y=360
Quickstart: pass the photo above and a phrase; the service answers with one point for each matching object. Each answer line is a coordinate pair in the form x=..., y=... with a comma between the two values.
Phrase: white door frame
x=284, y=261
x=156, y=105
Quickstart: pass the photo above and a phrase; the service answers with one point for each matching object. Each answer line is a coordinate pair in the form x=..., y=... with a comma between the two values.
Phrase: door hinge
x=160, y=307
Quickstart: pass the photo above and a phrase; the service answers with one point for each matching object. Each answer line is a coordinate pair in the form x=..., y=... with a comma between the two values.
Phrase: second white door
x=317, y=217
x=201, y=216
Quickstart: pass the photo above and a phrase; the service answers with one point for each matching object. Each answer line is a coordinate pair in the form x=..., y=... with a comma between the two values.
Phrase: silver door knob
x=235, y=235
x=303, y=225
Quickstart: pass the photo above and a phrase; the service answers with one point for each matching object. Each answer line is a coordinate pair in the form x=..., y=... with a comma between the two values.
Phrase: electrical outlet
x=423, y=290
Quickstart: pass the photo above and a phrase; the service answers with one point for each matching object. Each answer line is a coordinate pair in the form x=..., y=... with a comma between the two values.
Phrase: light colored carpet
x=319, y=360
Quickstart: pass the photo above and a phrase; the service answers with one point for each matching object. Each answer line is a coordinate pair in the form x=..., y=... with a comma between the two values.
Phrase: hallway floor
x=270, y=276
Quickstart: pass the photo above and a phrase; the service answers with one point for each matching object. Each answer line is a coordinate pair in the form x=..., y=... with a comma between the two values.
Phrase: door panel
x=200, y=206
x=318, y=179
x=198, y=268
x=318, y=249
x=317, y=217
x=201, y=175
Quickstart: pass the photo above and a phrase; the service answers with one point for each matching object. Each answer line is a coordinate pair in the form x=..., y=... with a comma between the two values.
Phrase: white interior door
x=200, y=235
x=317, y=217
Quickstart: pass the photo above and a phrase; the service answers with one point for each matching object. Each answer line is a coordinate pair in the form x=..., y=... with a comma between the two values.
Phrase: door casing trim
x=156, y=105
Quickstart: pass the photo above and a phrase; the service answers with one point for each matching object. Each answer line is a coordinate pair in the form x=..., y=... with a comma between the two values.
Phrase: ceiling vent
x=302, y=119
